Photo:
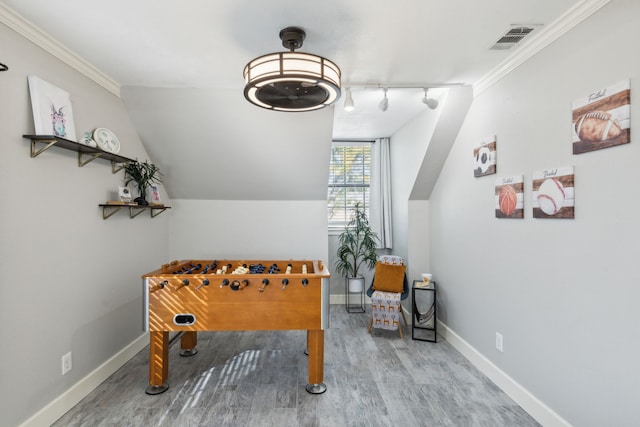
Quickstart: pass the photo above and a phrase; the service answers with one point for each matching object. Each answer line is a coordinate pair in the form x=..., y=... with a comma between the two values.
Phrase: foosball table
x=230, y=295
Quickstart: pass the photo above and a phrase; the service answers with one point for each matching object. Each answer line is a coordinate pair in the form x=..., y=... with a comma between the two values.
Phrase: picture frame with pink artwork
x=154, y=194
x=51, y=107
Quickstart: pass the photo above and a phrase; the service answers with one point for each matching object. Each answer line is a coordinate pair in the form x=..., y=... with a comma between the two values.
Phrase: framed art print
x=52, y=112
x=154, y=194
x=554, y=193
x=602, y=119
x=125, y=194
x=485, y=158
x=509, y=197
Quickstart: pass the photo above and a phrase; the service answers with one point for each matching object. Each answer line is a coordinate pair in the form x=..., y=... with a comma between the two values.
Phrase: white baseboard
x=527, y=401
x=67, y=400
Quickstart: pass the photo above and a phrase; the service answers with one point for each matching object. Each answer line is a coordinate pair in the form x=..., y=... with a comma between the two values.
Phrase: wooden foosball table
x=216, y=295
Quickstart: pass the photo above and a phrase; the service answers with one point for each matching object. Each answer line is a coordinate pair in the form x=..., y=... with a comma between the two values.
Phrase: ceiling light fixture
x=348, y=101
x=291, y=81
x=430, y=102
x=384, y=104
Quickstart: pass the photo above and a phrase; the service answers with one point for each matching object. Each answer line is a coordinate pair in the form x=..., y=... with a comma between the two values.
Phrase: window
x=349, y=180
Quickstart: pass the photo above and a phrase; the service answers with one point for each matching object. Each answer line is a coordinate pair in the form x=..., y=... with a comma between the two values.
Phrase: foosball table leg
x=315, y=346
x=158, y=362
x=188, y=342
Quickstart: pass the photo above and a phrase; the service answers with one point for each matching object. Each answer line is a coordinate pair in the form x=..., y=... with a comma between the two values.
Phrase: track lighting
x=348, y=101
x=384, y=104
x=413, y=89
x=430, y=102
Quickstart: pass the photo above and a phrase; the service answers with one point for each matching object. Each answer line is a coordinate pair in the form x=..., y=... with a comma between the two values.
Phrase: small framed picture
x=484, y=157
x=509, y=197
x=602, y=119
x=51, y=106
x=554, y=193
x=125, y=194
x=154, y=194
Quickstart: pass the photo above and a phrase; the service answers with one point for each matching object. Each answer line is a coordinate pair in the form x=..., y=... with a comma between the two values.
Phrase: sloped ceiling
x=178, y=66
x=212, y=144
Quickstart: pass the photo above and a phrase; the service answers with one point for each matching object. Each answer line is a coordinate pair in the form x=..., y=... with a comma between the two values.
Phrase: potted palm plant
x=357, y=248
x=143, y=174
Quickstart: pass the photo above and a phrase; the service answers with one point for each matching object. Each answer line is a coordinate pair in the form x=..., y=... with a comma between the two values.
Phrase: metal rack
x=355, y=299
x=424, y=325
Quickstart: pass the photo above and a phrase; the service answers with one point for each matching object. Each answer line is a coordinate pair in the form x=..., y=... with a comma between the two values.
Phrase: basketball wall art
x=553, y=193
x=510, y=197
x=485, y=158
x=602, y=119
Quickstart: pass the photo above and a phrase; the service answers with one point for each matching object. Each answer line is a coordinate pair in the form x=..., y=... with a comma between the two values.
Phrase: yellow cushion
x=389, y=278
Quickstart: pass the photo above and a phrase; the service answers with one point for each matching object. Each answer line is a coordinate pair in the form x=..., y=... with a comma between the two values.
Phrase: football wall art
x=553, y=193
x=485, y=158
x=602, y=119
x=51, y=106
x=509, y=197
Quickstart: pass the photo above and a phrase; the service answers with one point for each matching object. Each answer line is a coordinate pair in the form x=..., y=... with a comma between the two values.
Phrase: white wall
x=418, y=239
x=71, y=280
x=408, y=148
x=563, y=293
x=232, y=229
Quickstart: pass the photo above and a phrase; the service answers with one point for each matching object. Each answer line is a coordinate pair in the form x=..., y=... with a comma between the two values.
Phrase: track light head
x=348, y=101
x=429, y=102
x=384, y=104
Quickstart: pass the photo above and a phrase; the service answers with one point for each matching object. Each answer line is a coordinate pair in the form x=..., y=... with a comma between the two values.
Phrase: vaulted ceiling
x=178, y=67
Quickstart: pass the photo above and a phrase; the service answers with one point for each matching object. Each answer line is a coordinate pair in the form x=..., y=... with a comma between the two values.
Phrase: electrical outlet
x=499, y=341
x=66, y=363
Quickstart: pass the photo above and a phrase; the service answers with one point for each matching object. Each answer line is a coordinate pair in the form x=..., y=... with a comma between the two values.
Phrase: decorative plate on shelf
x=87, y=139
x=106, y=140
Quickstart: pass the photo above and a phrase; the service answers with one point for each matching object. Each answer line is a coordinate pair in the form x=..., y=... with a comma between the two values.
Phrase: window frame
x=338, y=226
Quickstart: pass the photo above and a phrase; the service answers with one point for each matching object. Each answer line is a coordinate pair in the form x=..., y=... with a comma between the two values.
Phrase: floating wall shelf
x=134, y=210
x=86, y=154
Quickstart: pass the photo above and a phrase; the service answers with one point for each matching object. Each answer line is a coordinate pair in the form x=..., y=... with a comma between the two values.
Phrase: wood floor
x=258, y=379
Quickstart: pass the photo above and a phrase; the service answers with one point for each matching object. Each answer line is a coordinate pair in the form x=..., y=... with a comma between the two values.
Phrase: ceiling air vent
x=513, y=36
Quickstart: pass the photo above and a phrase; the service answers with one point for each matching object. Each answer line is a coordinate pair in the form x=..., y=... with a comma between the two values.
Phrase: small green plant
x=143, y=174
x=357, y=245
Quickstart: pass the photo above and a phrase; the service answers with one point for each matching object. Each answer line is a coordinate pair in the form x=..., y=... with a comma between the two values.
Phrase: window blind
x=349, y=180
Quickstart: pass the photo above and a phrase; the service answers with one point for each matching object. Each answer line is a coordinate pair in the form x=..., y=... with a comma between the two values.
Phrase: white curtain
x=380, y=203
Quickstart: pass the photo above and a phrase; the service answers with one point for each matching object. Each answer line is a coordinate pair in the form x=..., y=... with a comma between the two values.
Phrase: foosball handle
x=158, y=286
x=265, y=283
x=185, y=282
x=205, y=282
x=224, y=283
x=305, y=282
x=285, y=282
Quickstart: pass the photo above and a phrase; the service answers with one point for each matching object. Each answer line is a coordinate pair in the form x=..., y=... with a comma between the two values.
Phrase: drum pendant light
x=291, y=81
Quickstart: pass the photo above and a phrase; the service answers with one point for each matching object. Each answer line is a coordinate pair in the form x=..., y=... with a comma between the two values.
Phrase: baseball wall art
x=510, y=197
x=485, y=158
x=602, y=119
x=553, y=193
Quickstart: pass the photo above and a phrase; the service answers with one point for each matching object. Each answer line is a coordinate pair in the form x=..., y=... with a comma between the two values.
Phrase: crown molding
x=546, y=36
x=34, y=34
